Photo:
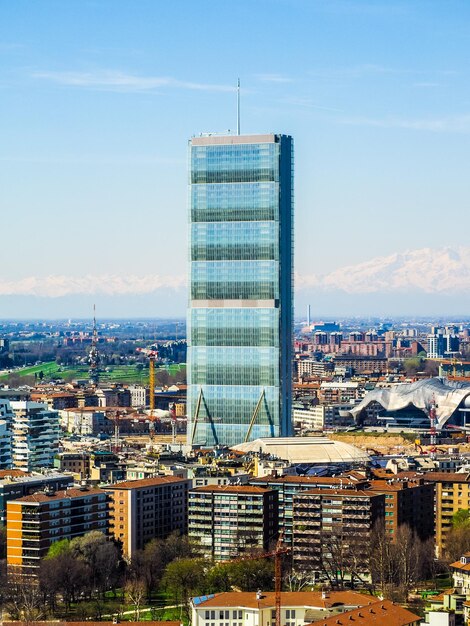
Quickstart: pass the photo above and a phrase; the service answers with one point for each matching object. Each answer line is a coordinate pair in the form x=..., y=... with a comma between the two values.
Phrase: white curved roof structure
x=306, y=450
x=447, y=395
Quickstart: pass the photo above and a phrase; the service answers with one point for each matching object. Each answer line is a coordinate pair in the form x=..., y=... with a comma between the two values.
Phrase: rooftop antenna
x=238, y=107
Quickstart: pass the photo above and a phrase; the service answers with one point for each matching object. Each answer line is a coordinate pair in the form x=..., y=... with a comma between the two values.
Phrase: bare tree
x=135, y=590
x=24, y=598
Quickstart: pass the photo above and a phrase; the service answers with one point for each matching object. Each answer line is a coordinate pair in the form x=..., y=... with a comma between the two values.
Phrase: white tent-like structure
x=316, y=450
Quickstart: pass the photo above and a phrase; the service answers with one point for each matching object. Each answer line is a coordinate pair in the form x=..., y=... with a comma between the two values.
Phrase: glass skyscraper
x=240, y=309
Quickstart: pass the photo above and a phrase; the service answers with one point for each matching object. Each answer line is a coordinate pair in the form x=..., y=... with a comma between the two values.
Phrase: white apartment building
x=138, y=396
x=310, y=367
x=259, y=609
x=35, y=431
x=322, y=417
x=5, y=445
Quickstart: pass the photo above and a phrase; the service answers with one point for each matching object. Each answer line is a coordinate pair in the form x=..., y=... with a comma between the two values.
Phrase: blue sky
x=99, y=97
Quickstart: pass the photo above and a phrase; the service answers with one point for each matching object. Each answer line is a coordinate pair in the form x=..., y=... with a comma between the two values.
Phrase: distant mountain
x=424, y=281
x=427, y=270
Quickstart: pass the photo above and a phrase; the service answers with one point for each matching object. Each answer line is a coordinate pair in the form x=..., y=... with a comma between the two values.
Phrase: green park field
x=130, y=374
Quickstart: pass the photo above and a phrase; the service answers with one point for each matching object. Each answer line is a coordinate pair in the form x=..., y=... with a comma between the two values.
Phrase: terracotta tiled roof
x=310, y=599
x=447, y=477
x=232, y=489
x=145, y=482
x=40, y=496
x=465, y=567
x=314, y=480
x=351, y=493
x=89, y=623
x=16, y=473
x=379, y=613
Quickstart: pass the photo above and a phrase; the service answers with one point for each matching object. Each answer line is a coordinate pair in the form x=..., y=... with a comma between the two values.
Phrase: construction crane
x=277, y=553
x=152, y=356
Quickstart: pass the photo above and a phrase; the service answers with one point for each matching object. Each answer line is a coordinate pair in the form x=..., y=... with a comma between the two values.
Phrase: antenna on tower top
x=238, y=107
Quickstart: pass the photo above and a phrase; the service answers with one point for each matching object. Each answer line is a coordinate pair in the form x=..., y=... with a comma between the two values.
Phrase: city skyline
x=97, y=102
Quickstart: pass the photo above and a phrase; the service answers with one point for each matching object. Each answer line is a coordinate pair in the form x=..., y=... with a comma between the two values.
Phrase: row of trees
x=85, y=570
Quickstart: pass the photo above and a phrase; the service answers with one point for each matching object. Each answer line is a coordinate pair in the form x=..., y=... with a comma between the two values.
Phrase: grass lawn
x=117, y=373
x=49, y=370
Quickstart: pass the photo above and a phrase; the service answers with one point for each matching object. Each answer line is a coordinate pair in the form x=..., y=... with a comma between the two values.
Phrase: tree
x=24, y=598
x=135, y=590
x=183, y=579
x=461, y=519
x=101, y=557
x=247, y=575
x=57, y=548
x=396, y=566
x=66, y=576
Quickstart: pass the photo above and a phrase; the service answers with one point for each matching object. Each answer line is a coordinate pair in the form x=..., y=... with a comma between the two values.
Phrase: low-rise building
x=258, y=608
x=142, y=510
x=36, y=521
x=78, y=463
x=228, y=520
x=381, y=613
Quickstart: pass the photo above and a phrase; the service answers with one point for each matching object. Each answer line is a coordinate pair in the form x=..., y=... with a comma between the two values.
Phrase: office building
x=36, y=521
x=151, y=508
x=229, y=520
x=240, y=309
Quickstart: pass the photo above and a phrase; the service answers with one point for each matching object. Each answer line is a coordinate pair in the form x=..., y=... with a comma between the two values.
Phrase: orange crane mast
x=277, y=554
x=152, y=356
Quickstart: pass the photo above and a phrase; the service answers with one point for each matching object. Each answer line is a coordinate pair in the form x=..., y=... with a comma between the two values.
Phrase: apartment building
x=409, y=502
x=35, y=435
x=452, y=492
x=288, y=487
x=332, y=530
x=15, y=484
x=258, y=608
x=36, y=521
x=142, y=510
x=5, y=445
x=337, y=393
x=228, y=520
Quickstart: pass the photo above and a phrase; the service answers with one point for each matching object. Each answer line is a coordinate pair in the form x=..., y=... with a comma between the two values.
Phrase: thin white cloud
x=274, y=78
x=426, y=85
x=121, y=81
x=446, y=124
x=308, y=103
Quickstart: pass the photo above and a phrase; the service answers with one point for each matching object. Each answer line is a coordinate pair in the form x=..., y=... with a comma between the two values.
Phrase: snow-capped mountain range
x=428, y=271
x=443, y=270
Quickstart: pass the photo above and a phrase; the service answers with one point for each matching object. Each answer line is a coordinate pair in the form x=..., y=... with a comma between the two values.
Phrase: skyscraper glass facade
x=240, y=311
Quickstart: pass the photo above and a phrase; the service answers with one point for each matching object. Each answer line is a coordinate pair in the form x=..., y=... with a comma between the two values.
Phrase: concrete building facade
x=151, y=508
x=229, y=520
